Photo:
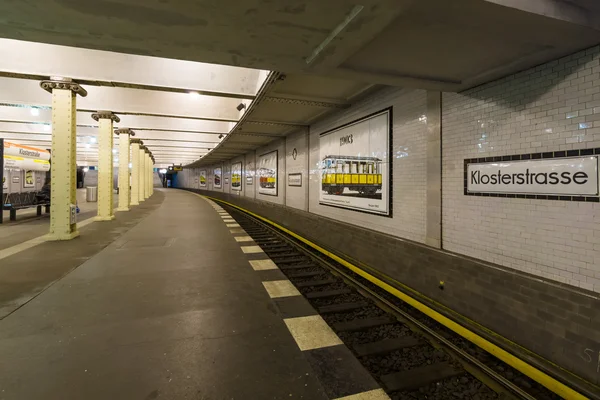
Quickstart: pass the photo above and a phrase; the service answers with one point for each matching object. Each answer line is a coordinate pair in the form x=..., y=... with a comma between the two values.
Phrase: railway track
x=409, y=354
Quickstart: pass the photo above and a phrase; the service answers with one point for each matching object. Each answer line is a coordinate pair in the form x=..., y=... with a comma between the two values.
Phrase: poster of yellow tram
x=355, y=165
x=267, y=173
x=203, y=178
x=236, y=176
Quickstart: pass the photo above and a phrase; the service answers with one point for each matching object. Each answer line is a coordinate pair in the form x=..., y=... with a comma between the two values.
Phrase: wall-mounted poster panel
x=355, y=165
x=217, y=178
x=295, y=179
x=236, y=176
x=249, y=180
x=267, y=173
x=29, y=181
x=203, y=178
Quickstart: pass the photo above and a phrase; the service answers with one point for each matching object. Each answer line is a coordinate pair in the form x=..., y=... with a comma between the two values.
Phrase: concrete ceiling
x=330, y=52
x=435, y=44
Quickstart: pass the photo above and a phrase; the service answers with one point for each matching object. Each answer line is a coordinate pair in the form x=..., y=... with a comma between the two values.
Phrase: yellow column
x=124, y=184
x=146, y=166
x=135, y=171
x=152, y=162
x=63, y=173
x=142, y=176
x=105, y=164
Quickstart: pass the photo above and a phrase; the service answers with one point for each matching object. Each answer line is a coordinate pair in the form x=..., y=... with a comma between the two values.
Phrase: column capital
x=138, y=141
x=124, y=131
x=105, y=115
x=65, y=84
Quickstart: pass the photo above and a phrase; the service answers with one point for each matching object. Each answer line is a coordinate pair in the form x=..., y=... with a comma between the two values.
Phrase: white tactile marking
x=278, y=289
x=311, y=332
x=238, y=231
x=243, y=239
x=377, y=394
x=262, y=265
x=225, y=215
x=229, y=220
x=232, y=225
x=35, y=241
x=252, y=249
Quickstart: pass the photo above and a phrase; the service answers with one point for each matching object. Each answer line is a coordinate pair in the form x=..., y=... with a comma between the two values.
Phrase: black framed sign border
x=530, y=157
x=390, y=111
x=276, y=173
x=295, y=174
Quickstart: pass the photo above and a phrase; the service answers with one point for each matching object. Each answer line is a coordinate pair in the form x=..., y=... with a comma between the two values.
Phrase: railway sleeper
x=418, y=377
x=278, y=251
x=316, y=283
x=298, y=266
x=342, y=307
x=385, y=346
x=327, y=293
x=363, y=324
x=289, y=259
x=305, y=274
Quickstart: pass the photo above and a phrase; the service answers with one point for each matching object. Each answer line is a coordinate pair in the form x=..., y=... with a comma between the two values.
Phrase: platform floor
x=169, y=309
x=28, y=225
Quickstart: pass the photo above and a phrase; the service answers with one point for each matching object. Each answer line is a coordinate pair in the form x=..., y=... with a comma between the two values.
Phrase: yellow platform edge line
x=539, y=376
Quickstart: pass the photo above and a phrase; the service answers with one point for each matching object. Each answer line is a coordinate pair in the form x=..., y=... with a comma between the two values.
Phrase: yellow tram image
x=203, y=180
x=267, y=178
x=357, y=174
x=236, y=180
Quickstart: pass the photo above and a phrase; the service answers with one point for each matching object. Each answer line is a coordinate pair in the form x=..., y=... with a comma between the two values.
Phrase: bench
x=19, y=201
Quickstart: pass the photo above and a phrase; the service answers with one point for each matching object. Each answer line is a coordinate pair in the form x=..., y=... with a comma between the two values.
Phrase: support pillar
x=152, y=174
x=63, y=169
x=142, y=176
x=146, y=166
x=124, y=181
x=135, y=171
x=105, y=164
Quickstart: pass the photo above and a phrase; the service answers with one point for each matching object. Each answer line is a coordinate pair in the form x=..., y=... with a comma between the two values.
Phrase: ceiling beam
x=139, y=114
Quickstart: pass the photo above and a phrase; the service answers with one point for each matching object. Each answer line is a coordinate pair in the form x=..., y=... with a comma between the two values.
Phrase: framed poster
x=236, y=176
x=295, y=179
x=217, y=178
x=29, y=181
x=249, y=180
x=355, y=165
x=267, y=173
x=203, y=178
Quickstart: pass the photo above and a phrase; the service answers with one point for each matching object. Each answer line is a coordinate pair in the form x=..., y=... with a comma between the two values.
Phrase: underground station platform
x=192, y=297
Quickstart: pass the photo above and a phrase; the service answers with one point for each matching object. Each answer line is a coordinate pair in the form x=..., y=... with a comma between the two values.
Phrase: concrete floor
x=170, y=309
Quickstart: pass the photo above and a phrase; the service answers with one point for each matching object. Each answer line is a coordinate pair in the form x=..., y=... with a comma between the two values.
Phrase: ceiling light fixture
x=336, y=31
x=194, y=95
x=47, y=128
x=35, y=111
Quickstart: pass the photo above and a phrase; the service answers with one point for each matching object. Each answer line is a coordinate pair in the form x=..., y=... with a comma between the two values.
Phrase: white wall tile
x=537, y=110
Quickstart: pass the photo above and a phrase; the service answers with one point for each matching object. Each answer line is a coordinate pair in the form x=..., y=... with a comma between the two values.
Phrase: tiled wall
x=408, y=162
x=553, y=107
x=249, y=171
x=296, y=163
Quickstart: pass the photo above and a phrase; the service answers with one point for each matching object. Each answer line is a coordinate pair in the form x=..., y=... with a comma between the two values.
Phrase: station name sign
x=552, y=176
